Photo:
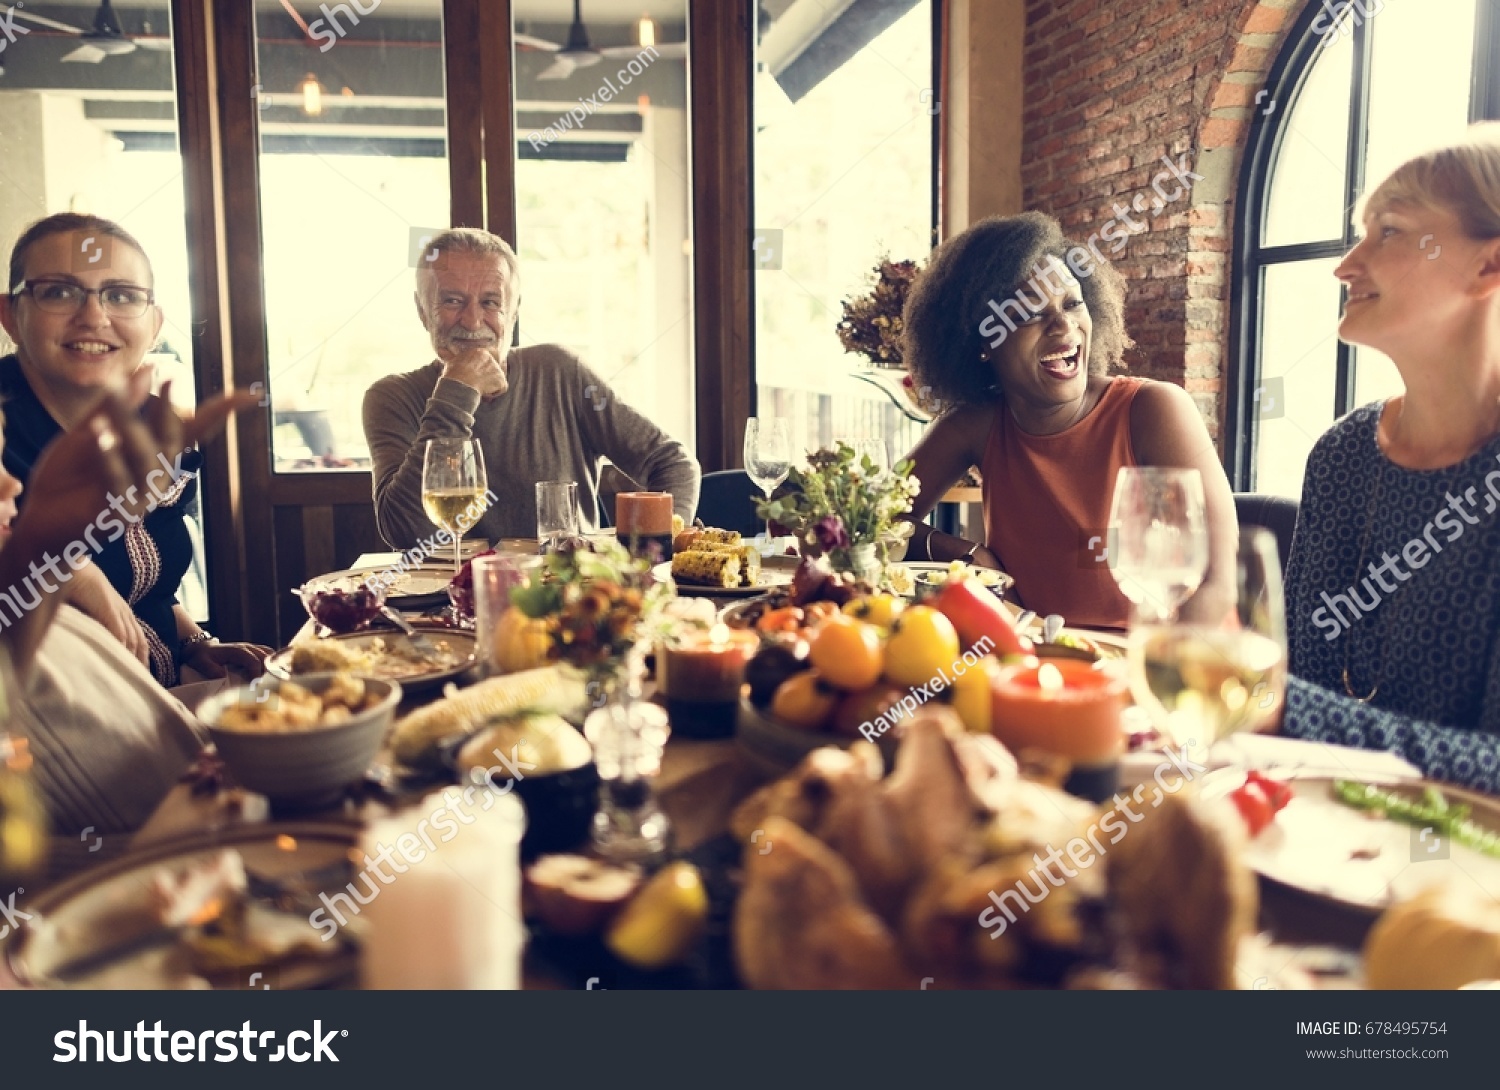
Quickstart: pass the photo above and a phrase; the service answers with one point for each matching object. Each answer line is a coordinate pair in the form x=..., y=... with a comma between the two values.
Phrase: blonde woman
x=1393, y=585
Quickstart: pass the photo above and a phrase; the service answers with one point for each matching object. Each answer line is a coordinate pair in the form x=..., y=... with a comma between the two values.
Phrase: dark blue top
x=1415, y=607
x=146, y=563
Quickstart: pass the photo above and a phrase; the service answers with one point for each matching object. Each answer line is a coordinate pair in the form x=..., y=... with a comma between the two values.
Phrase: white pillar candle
x=450, y=915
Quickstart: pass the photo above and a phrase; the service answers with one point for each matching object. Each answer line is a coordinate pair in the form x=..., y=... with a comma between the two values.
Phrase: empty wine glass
x=874, y=449
x=768, y=453
x=1158, y=538
x=1201, y=682
x=453, y=487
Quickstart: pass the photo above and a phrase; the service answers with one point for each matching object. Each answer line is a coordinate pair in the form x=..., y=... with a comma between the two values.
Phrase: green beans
x=1431, y=810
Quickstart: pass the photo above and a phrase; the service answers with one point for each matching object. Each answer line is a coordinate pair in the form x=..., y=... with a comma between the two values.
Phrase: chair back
x=1276, y=513
x=726, y=499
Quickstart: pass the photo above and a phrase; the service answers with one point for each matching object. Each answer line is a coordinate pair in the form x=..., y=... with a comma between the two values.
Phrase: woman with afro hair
x=1015, y=329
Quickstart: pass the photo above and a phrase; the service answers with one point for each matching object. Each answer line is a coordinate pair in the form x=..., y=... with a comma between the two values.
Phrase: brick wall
x=1113, y=86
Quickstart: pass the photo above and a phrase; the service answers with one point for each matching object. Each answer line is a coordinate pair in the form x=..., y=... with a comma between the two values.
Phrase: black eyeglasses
x=66, y=297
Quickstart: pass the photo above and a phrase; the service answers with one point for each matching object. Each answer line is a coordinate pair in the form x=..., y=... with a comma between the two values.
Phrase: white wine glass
x=1202, y=682
x=1158, y=538
x=768, y=454
x=453, y=486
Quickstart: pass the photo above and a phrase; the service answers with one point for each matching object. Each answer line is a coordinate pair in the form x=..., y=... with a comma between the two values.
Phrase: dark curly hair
x=991, y=261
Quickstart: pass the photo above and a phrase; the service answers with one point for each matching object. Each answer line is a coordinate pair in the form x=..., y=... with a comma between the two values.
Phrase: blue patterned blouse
x=1395, y=576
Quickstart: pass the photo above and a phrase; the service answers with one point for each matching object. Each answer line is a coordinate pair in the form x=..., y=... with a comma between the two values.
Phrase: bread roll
x=1443, y=938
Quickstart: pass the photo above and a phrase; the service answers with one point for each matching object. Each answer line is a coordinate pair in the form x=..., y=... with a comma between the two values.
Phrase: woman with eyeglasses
x=81, y=311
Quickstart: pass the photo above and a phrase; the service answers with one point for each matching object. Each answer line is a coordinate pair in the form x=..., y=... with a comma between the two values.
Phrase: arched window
x=1361, y=86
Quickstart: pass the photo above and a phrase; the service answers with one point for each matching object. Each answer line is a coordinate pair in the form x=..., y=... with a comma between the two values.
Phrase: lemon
x=664, y=921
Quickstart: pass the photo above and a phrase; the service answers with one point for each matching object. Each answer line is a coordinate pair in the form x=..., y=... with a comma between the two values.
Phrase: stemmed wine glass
x=1201, y=682
x=453, y=485
x=1158, y=538
x=768, y=454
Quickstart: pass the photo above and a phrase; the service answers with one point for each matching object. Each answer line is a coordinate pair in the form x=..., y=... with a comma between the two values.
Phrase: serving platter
x=775, y=572
x=412, y=587
x=1348, y=857
x=464, y=646
x=107, y=908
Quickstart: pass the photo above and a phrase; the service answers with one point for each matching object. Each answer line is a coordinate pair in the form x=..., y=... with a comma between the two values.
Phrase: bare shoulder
x=1165, y=424
x=968, y=425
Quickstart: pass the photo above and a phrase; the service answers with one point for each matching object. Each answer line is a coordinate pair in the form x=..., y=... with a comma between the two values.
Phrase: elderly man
x=539, y=413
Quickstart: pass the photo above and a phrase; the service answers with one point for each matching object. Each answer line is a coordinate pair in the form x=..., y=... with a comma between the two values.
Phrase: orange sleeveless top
x=1046, y=496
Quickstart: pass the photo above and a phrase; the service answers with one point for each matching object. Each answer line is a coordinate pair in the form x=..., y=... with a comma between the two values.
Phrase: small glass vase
x=860, y=560
x=628, y=735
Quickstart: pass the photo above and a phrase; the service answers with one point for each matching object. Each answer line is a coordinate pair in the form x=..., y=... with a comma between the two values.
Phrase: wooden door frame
x=218, y=112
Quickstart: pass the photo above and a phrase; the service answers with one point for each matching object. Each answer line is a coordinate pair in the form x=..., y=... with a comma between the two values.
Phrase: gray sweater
x=554, y=423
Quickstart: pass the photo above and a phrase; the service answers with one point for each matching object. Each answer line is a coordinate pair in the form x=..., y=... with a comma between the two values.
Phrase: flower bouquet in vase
x=846, y=508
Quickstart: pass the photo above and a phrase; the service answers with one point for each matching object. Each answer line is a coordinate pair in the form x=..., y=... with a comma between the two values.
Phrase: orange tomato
x=803, y=701
x=786, y=619
x=847, y=653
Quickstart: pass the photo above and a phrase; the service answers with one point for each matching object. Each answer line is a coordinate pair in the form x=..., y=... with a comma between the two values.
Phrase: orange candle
x=706, y=668
x=1060, y=706
x=643, y=513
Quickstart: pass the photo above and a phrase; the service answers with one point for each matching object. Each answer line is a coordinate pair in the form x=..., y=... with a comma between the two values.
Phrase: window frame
x=1287, y=79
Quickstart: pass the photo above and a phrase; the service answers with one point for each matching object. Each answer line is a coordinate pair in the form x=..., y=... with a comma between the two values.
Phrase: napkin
x=1269, y=753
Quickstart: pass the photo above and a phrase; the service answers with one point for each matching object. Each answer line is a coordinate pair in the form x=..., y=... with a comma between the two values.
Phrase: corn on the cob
x=706, y=569
x=417, y=739
x=687, y=539
x=749, y=559
x=720, y=537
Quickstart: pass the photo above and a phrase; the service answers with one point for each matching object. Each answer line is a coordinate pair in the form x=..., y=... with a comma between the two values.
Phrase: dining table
x=1308, y=940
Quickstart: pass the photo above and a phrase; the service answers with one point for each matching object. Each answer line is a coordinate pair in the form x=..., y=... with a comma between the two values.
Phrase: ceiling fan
x=105, y=39
x=578, y=53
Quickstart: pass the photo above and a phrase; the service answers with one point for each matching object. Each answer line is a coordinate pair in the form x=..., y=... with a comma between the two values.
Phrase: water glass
x=450, y=922
x=556, y=512
x=1158, y=538
x=494, y=578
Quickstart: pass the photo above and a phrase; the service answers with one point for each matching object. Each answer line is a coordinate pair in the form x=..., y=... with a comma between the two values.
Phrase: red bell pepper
x=978, y=615
x=1259, y=799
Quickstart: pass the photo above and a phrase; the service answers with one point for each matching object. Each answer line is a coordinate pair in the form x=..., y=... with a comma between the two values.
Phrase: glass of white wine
x=768, y=454
x=453, y=482
x=1158, y=538
x=1203, y=682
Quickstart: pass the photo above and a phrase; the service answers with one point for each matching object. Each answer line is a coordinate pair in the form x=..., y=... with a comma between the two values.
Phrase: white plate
x=463, y=645
x=1315, y=845
x=104, y=907
x=415, y=583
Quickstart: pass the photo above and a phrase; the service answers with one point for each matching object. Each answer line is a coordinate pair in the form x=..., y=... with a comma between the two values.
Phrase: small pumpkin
x=521, y=642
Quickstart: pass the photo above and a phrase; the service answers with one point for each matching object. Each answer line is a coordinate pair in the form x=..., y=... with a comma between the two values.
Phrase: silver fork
x=419, y=640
